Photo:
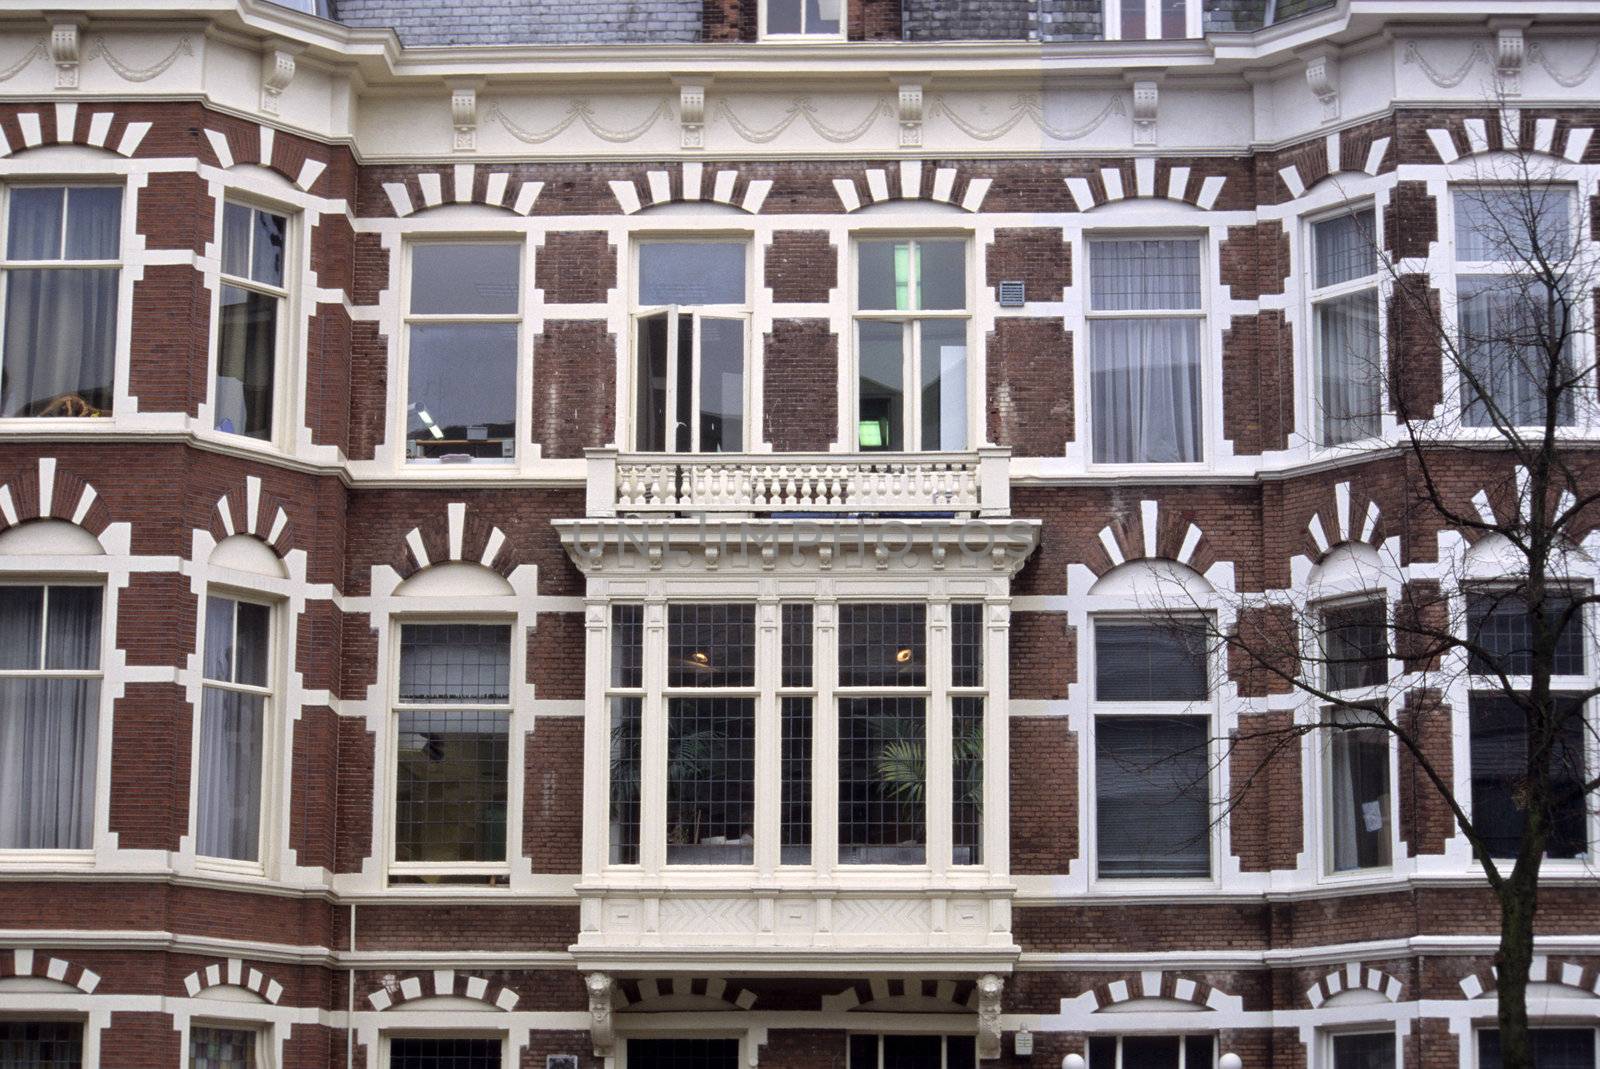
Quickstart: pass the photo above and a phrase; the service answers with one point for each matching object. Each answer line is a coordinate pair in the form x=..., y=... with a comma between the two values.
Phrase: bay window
x=690, y=326
x=1152, y=1052
x=797, y=698
x=810, y=18
x=233, y=718
x=49, y=715
x=452, y=726
x=462, y=346
x=250, y=318
x=62, y=250
x=912, y=329
x=1344, y=304
x=1146, y=316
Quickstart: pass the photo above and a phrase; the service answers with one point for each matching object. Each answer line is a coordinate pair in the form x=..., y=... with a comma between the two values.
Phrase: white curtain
x=61, y=327
x=1506, y=340
x=229, y=808
x=1146, y=390
x=48, y=731
x=1347, y=340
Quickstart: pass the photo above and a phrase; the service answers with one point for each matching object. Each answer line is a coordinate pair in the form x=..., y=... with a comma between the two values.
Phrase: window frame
x=265, y=1047
x=1193, y=21
x=1541, y=1025
x=119, y=264
x=638, y=312
x=803, y=37
x=1327, y=1037
x=285, y=294
x=1181, y=1037
x=520, y=434
x=386, y=1037
x=911, y=343
x=1317, y=296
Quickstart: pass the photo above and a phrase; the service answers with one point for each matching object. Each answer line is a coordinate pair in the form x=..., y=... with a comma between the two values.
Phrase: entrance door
x=683, y=1054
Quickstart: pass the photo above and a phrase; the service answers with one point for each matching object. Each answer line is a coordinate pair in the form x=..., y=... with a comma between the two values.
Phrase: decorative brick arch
x=1334, y=523
x=1111, y=184
x=1153, y=984
x=1160, y=532
x=459, y=536
x=1506, y=131
x=444, y=983
x=68, y=124
x=648, y=989
x=233, y=973
x=264, y=150
x=52, y=494
x=35, y=963
x=1566, y=974
x=1354, y=977
x=958, y=994
x=906, y=183
x=687, y=185
x=1314, y=162
x=247, y=512
x=461, y=185
x=1508, y=501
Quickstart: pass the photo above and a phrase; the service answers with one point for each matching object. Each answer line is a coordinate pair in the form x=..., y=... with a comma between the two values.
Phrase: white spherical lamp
x=1230, y=1061
x=1072, y=1061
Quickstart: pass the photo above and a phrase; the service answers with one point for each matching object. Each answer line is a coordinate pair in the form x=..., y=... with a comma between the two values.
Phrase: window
x=966, y=728
x=1355, y=647
x=690, y=325
x=911, y=344
x=1500, y=766
x=1358, y=792
x=1499, y=624
x=683, y=1054
x=62, y=249
x=1344, y=307
x=1137, y=20
x=1553, y=1048
x=821, y=18
x=626, y=701
x=1514, y=330
x=1373, y=1050
x=449, y=1052
x=913, y=1052
x=41, y=1044
x=214, y=1047
x=453, y=730
x=882, y=734
x=1152, y=1052
x=1152, y=764
x=797, y=705
x=250, y=308
x=233, y=718
x=462, y=339
x=49, y=716
x=1145, y=320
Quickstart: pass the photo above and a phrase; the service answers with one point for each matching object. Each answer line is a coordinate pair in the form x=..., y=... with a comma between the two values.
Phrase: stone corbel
x=1322, y=75
x=66, y=43
x=1510, y=52
x=990, y=988
x=692, y=110
x=602, y=1032
x=464, y=114
x=908, y=109
x=1146, y=104
x=277, y=71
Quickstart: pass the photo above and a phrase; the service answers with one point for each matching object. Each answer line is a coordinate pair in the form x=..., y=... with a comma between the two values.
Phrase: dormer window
x=803, y=18
x=1152, y=20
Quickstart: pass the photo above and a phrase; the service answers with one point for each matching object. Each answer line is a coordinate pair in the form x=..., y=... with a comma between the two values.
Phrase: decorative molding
x=602, y=1031
x=649, y=989
x=580, y=113
x=1180, y=186
x=1510, y=54
x=277, y=71
x=1328, y=529
x=1146, y=101
x=909, y=178
x=485, y=547
x=53, y=494
x=65, y=51
x=910, y=113
x=990, y=988
x=1476, y=133
x=442, y=983
x=233, y=973
x=1570, y=974
x=40, y=48
x=1353, y=977
x=1028, y=108
x=1442, y=77
x=129, y=73
x=1322, y=75
x=464, y=114
x=25, y=961
x=1539, y=55
x=260, y=151
x=1161, y=534
x=687, y=184
x=804, y=109
x=426, y=189
x=1156, y=984
x=251, y=516
x=692, y=111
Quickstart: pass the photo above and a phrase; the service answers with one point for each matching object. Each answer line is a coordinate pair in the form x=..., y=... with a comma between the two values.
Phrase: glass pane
x=1145, y=401
x=236, y=220
x=711, y=645
x=966, y=644
x=942, y=275
x=683, y=1054
x=882, y=781
x=41, y=1044
x=450, y=803
x=1150, y=662
x=1152, y=796
x=444, y=1053
x=944, y=385
x=783, y=16
x=1526, y=222
x=49, y=731
x=1174, y=25
x=1553, y=1048
x=455, y=663
x=1511, y=332
x=626, y=736
x=60, y=341
x=683, y=424
x=218, y=650
x=864, y=1052
x=1358, y=802
x=1501, y=626
x=228, y=802
x=21, y=618
x=94, y=223
x=266, y=258
x=650, y=429
x=885, y=271
x=463, y=390
x=822, y=16
x=1102, y=1052
x=1346, y=248
x=795, y=803
x=35, y=223
x=1198, y=1052
x=966, y=780
x=255, y=637
x=961, y=1052
x=883, y=645
x=1364, y=1052
x=1144, y=275
x=465, y=279
x=882, y=359
x=797, y=645
x=1150, y=1052
x=1499, y=745
x=72, y=635
x=1133, y=22
x=1347, y=342
x=247, y=357
x=711, y=771
x=721, y=385
x=627, y=645
x=1355, y=645
x=912, y=1052
x=691, y=272
x=221, y=1048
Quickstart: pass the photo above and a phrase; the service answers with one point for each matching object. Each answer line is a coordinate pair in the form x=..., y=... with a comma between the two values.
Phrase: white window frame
x=500, y=870
x=1317, y=295
x=267, y=828
x=1204, y=243
x=911, y=342
x=265, y=1043
x=508, y=1051
x=840, y=35
x=676, y=315
x=520, y=431
x=67, y=182
x=285, y=295
x=1193, y=20
x=1326, y=1038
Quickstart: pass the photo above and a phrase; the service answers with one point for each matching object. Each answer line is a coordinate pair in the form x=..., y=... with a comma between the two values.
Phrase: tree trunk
x=1519, y=901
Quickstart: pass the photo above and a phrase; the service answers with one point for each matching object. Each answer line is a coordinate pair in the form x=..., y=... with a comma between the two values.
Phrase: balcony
x=974, y=483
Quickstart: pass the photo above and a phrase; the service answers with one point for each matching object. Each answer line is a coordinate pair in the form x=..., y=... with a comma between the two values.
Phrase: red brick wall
x=1044, y=796
x=800, y=374
x=802, y=266
x=576, y=267
x=574, y=377
x=552, y=833
x=1039, y=257
x=1258, y=383
x=1029, y=390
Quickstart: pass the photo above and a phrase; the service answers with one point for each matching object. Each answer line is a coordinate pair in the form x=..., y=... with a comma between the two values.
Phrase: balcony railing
x=974, y=483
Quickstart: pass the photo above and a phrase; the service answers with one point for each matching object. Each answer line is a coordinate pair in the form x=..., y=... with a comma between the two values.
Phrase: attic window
x=803, y=18
x=1153, y=20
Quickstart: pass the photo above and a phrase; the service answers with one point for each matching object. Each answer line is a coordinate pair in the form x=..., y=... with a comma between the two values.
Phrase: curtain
x=94, y=223
x=21, y=615
x=1146, y=390
x=1346, y=248
x=1359, y=770
x=48, y=734
x=1152, y=796
x=60, y=338
x=1506, y=339
x=247, y=352
x=1347, y=341
x=229, y=807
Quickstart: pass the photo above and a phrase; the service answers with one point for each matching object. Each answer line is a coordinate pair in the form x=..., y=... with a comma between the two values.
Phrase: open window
x=250, y=319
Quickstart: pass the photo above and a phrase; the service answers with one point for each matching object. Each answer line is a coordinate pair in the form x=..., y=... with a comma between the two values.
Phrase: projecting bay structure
x=561, y=535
